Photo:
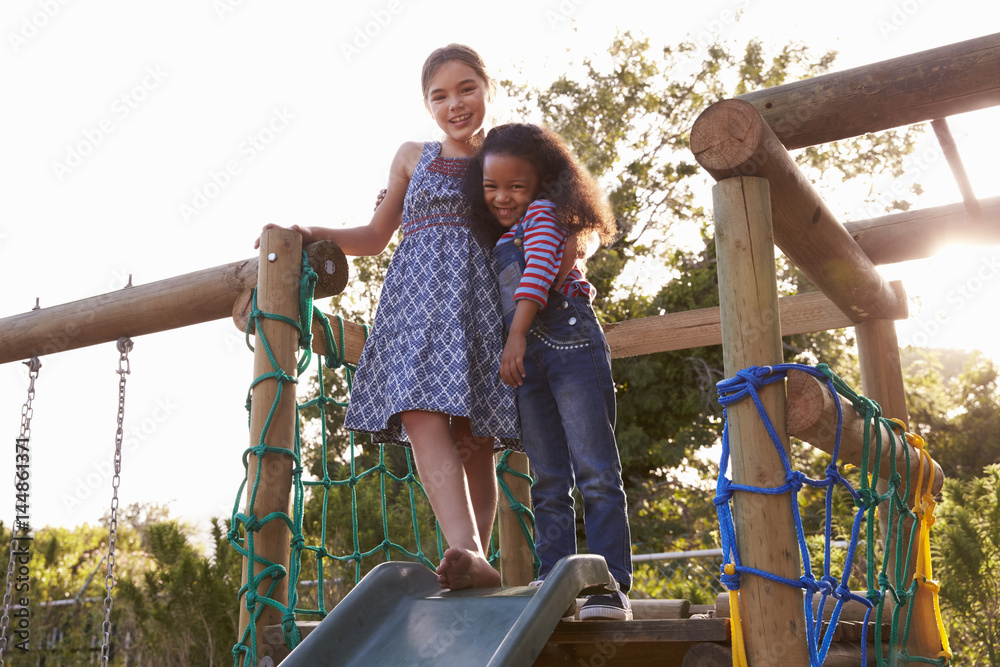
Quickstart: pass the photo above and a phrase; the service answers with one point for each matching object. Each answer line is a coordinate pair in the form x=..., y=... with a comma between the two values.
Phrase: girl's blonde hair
x=463, y=54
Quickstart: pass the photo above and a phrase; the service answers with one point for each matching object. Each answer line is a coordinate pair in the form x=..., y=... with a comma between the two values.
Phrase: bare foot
x=462, y=568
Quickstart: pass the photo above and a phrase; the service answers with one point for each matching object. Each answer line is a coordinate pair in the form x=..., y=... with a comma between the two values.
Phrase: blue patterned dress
x=438, y=332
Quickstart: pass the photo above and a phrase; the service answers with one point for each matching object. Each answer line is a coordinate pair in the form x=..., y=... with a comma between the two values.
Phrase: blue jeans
x=567, y=410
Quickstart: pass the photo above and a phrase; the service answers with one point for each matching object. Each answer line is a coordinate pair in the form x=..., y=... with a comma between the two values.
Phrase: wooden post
x=517, y=567
x=882, y=381
x=773, y=615
x=280, y=266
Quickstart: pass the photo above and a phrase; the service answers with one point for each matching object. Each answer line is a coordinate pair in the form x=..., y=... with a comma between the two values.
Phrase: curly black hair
x=580, y=204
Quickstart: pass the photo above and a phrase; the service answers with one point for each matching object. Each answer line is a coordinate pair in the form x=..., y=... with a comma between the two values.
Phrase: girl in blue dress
x=429, y=372
x=528, y=196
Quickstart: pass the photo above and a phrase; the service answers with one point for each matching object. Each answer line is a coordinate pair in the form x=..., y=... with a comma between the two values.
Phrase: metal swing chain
x=124, y=368
x=26, y=413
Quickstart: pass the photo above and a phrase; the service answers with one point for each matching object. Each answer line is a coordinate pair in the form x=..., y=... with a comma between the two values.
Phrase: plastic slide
x=398, y=615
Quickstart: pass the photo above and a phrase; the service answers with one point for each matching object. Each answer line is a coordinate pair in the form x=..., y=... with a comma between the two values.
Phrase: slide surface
x=398, y=615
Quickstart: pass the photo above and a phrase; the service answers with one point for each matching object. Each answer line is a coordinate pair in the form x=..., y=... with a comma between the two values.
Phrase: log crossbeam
x=950, y=150
x=937, y=83
x=731, y=139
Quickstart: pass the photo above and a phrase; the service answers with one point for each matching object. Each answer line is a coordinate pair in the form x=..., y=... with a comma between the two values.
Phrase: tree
x=953, y=404
x=628, y=118
x=966, y=549
x=185, y=609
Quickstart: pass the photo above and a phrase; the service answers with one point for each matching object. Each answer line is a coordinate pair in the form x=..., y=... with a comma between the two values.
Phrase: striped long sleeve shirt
x=544, y=241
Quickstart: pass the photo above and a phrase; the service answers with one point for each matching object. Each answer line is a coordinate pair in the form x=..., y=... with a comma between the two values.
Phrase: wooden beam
x=801, y=313
x=176, y=302
x=950, y=150
x=850, y=612
x=676, y=630
x=765, y=530
x=798, y=314
x=812, y=418
x=731, y=139
x=919, y=87
x=839, y=655
x=901, y=237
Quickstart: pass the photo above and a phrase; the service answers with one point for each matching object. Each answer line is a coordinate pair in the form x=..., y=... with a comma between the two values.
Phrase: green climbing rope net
x=353, y=506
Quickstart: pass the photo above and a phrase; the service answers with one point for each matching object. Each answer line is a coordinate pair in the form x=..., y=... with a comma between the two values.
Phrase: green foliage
x=170, y=604
x=966, y=550
x=183, y=610
x=953, y=399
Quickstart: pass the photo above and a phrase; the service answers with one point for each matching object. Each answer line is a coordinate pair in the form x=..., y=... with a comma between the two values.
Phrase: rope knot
x=755, y=375
x=809, y=583
x=298, y=541
x=281, y=376
x=842, y=592
x=725, y=492
x=795, y=480
x=828, y=585
x=253, y=524
x=251, y=600
x=730, y=577
x=866, y=498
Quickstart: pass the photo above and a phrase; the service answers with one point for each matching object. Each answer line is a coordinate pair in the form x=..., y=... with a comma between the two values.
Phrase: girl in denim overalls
x=529, y=195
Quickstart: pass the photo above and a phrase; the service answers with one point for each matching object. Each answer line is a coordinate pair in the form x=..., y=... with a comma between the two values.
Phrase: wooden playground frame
x=761, y=200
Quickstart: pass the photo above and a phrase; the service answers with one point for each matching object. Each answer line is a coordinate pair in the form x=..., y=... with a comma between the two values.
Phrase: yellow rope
x=736, y=626
x=924, y=508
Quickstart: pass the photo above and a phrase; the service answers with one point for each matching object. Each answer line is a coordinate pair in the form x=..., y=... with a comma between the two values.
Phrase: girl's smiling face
x=456, y=98
x=510, y=184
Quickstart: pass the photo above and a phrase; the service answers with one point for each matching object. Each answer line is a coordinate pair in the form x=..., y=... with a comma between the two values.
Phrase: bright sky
x=117, y=115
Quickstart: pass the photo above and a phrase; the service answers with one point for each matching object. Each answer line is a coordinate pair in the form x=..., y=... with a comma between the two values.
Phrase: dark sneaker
x=613, y=607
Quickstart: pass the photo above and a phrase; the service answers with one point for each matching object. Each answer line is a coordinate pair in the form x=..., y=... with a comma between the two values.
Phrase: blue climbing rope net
x=880, y=587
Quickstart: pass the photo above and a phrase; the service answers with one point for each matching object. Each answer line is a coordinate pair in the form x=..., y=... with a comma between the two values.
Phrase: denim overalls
x=567, y=410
